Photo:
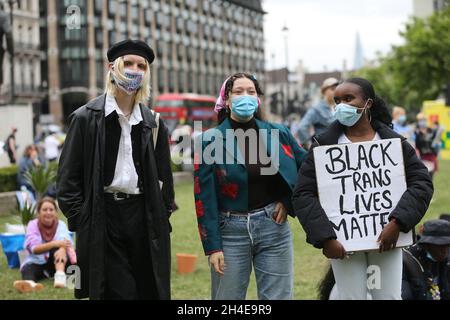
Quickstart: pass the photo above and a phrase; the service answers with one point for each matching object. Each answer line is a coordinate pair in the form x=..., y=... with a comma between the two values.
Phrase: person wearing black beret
x=115, y=184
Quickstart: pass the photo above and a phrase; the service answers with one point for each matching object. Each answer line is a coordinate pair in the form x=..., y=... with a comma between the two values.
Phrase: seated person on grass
x=50, y=249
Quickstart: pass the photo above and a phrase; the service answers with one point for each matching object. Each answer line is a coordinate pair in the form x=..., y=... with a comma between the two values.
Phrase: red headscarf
x=48, y=232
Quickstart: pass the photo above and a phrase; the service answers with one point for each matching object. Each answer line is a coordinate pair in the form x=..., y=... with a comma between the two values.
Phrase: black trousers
x=128, y=270
x=38, y=272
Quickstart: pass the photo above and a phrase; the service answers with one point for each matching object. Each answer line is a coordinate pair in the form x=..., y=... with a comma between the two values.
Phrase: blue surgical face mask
x=347, y=115
x=243, y=107
x=402, y=119
x=422, y=123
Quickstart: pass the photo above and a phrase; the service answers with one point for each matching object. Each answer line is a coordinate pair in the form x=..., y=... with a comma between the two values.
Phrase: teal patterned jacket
x=221, y=186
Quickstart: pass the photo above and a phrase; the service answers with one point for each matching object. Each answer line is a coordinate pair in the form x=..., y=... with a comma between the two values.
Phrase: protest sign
x=359, y=186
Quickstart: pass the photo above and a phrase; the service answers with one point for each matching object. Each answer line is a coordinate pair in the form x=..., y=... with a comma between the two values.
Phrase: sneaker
x=24, y=286
x=60, y=279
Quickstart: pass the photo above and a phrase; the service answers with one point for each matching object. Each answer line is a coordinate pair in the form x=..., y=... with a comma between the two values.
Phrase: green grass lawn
x=309, y=262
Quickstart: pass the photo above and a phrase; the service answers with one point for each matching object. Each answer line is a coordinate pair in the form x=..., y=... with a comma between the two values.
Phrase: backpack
x=155, y=130
x=5, y=146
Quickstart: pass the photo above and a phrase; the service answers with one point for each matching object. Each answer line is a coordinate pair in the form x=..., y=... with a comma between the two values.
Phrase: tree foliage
x=419, y=69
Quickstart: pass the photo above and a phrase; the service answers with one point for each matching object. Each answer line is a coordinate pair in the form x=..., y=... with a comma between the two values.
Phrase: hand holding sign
x=333, y=249
x=389, y=236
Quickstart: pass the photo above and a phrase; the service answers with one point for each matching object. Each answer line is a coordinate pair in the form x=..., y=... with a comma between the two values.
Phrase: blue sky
x=323, y=32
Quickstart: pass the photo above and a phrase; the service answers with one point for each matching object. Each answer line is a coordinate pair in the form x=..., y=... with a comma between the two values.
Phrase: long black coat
x=80, y=195
x=409, y=211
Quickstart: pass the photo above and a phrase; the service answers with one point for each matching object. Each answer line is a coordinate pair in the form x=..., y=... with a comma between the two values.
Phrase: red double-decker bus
x=185, y=108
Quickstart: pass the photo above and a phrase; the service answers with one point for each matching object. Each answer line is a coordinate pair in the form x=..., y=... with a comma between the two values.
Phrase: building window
x=160, y=79
x=180, y=24
x=159, y=20
x=111, y=8
x=167, y=22
x=181, y=81
x=191, y=3
x=191, y=80
x=98, y=6
x=134, y=31
x=206, y=56
x=169, y=51
x=159, y=49
x=171, y=80
x=98, y=37
x=135, y=14
x=180, y=49
x=100, y=73
x=192, y=27
x=148, y=17
x=206, y=6
x=205, y=31
x=112, y=37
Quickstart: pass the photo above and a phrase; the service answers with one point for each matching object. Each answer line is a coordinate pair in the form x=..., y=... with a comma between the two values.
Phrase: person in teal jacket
x=244, y=173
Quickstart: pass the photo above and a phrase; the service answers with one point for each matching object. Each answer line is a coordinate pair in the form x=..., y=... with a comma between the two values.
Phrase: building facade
x=425, y=8
x=27, y=53
x=197, y=43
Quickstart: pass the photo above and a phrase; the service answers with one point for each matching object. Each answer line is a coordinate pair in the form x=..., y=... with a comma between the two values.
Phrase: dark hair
x=43, y=200
x=445, y=216
x=379, y=110
x=326, y=285
x=27, y=151
x=223, y=113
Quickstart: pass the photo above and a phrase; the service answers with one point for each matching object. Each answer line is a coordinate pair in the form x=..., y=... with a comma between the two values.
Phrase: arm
x=162, y=157
x=307, y=206
x=306, y=122
x=33, y=240
x=70, y=179
x=415, y=200
x=206, y=204
x=46, y=247
x=300, y=155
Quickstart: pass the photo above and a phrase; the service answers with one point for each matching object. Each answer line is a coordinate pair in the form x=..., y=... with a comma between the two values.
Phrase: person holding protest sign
x=363, y=122
x=243, y=195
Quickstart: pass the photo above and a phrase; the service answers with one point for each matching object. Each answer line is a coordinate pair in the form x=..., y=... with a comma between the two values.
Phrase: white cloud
x=323, y=32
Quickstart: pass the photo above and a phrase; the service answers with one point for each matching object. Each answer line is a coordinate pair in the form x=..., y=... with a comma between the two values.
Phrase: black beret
x=129, y=46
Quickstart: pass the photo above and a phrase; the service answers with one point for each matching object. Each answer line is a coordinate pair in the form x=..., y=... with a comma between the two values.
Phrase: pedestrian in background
x=10, y=146
x=320, y=116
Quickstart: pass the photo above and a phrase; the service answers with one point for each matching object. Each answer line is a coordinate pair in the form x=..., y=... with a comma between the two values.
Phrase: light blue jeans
x=255, y=239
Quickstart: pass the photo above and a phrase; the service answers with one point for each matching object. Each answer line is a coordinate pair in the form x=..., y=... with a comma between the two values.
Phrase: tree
x=417, y=70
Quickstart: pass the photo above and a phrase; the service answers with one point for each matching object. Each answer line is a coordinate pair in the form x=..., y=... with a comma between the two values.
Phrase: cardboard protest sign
x=359, y=185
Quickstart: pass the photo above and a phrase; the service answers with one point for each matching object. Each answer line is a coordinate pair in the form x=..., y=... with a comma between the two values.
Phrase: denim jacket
x=224, y=186
x=319, y=116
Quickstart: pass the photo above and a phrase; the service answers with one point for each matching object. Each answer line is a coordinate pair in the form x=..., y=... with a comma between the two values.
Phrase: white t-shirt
x=125, y=174
x=344, y=139
x=51, y=144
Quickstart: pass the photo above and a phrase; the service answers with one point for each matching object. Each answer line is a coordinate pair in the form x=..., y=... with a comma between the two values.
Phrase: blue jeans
x=255, y=239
